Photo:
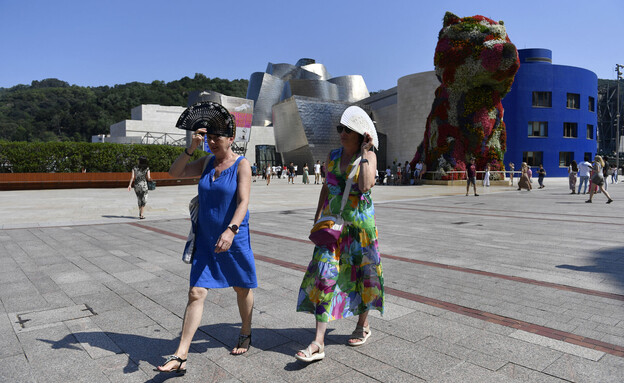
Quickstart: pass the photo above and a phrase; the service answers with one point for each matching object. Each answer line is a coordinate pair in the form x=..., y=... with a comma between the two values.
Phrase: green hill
x=52, y=110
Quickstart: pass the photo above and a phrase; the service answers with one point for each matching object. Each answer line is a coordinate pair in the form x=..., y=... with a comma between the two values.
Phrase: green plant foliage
x=52, y=110
x=71, y=157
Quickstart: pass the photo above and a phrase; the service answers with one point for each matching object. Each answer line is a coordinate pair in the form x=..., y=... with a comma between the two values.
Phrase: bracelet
x=187, y=153
x=364, y=161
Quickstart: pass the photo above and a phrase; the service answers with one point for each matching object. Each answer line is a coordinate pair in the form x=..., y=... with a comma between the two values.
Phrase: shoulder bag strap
x=345, y=195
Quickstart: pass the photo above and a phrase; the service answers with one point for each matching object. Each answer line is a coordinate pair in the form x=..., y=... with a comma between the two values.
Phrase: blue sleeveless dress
x=217, y=203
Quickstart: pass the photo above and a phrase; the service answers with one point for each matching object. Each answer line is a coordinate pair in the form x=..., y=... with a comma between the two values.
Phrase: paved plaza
x=508, y=286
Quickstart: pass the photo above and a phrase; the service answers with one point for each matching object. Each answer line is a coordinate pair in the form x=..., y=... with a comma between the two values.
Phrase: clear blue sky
x=93, y=43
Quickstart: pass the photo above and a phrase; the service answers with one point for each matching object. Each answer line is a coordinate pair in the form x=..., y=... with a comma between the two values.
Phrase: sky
x=109, y=42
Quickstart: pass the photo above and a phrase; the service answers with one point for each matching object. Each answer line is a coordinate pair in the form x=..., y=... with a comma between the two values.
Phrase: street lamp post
x=618, y=68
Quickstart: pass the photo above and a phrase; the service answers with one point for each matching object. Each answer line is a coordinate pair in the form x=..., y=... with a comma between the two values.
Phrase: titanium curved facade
x=280, y=70
x=305, y=128
x=311, y=88
x=351, y=88
x=265, y=90
x=550, y=113
x=318, y=69
x=306, y=78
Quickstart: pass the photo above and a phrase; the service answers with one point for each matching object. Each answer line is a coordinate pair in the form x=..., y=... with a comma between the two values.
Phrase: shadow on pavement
x=608, y=261
x=153, y=350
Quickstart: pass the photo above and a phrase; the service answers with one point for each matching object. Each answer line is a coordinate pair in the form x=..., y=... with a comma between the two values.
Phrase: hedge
x=72, y=157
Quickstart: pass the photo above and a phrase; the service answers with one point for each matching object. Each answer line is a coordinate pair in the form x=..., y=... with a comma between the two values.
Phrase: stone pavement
x=505, y=287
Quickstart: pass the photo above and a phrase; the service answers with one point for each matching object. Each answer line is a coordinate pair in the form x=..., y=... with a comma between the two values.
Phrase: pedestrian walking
x=598, y=179
x=223, y=256
x=140, y=175
x=525, y=182
x=268, y=171
x=347, y=279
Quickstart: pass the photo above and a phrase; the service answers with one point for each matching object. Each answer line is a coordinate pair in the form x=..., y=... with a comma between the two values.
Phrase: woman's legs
x=192, y=318
x=319, y=337
x=244, y=298
x=604, y=190
x=591, y=193
x=362, y=322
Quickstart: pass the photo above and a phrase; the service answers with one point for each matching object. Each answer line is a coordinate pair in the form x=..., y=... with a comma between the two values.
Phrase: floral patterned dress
x=349, y=280
x=140, y=185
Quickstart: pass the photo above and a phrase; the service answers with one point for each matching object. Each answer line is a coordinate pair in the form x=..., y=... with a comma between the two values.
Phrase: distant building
x=550, y=113
x=299, y=105
x=150, y=124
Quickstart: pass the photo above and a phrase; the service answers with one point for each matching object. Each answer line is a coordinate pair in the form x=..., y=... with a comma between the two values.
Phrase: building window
x=532, y=158
x=570, y=129
x=573, y=101
x=538, y=128
x=565, y=158
x=592, y=106
x=590, y=132
x=542, y=99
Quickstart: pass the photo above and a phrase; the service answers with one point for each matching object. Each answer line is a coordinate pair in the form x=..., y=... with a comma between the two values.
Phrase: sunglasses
x=341, y=128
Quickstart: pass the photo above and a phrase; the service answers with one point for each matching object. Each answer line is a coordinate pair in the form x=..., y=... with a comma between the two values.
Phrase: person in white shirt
x=317, y=172
x=583, y=172
x=418, y=170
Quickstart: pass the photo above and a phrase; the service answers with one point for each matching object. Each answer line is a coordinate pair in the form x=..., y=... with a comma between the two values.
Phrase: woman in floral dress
x=348, y=280
x=140, y=176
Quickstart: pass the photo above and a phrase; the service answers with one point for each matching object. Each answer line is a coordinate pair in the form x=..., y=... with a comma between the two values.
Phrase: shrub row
x=72, y=157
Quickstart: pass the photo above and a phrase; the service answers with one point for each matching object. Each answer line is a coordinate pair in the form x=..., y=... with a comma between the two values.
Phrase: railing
x=34, y=181
x=456, y=175
x=163, y=139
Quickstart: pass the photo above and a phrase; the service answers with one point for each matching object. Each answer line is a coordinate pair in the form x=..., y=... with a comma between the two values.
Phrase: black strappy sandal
x=178, y=370
x=244, y=341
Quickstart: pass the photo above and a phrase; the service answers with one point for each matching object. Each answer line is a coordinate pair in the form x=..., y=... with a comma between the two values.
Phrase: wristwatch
x=364, y=161
x=234, y=228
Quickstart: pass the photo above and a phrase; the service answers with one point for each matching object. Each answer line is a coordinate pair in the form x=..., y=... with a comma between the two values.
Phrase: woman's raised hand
x=368, y=142
x=198, y=138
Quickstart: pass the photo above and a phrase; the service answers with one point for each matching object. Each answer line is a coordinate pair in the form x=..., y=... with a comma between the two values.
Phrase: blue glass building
x=550, y=114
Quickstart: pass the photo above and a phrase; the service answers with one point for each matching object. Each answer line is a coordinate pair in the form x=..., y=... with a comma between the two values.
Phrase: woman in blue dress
x=223, y=256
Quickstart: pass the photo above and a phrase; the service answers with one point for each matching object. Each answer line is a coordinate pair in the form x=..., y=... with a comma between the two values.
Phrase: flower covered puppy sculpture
x=476, y=63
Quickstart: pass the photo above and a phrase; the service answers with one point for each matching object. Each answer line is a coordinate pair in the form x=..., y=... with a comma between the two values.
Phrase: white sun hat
x=356, y=119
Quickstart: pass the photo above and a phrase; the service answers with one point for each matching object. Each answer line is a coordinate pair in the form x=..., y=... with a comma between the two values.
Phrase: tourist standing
x=305, y=177
x=291, y=173
x=471, y=177
x=541, y=173
x=486, y=176
x=317, y=172
x=511, y=172
x=583, y=173
x=572, y=172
